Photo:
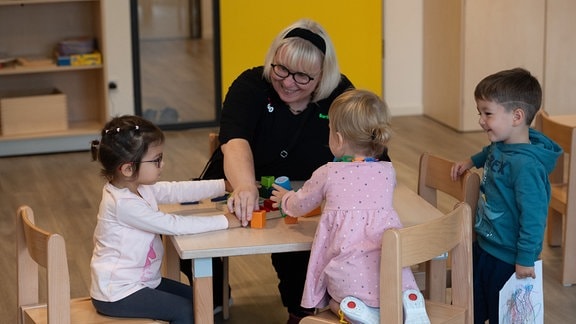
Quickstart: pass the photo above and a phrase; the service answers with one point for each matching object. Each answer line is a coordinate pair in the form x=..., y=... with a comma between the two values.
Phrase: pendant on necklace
x=294, y=111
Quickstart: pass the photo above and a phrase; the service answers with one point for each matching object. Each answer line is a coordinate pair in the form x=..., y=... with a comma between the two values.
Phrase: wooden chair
x=434, y=177
x=414, y=245
x=561, y=224
x=213, y=143
x=37, y=247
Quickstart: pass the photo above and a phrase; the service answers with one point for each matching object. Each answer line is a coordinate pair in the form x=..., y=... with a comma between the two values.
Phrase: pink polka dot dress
x=345, y=256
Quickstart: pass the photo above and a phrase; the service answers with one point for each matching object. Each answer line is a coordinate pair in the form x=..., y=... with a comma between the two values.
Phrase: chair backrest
x=213, y=142
x=39, y=248
x=434, y=176
x=36, y=247
x=565, y=136
x=416, y=244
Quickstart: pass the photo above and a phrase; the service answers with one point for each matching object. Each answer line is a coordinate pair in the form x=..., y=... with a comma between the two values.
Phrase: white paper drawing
x=522, y=300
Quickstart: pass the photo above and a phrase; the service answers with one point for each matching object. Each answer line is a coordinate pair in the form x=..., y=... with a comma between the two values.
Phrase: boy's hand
x=277, y=195
x=525, y=272
x=459, y=167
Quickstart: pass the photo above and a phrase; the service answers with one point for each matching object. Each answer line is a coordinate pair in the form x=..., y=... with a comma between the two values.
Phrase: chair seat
x=323, y=317
x=81, y=311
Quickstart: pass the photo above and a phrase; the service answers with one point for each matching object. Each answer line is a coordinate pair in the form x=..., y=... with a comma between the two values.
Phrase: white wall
x=118, y=55
x=403, y=56
x=560, y=62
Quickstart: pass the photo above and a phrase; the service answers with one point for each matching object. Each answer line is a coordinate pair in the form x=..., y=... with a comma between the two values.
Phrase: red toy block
x=258, y=219
x=268, y=205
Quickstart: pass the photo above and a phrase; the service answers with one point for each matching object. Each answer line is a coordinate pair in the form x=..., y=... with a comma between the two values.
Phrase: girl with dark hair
x=128, y=250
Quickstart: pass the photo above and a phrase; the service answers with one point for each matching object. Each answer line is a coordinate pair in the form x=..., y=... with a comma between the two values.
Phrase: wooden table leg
x=171, y=260
x=202, y=277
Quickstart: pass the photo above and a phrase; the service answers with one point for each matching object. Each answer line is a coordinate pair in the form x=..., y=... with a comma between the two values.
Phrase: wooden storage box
x=33, y=112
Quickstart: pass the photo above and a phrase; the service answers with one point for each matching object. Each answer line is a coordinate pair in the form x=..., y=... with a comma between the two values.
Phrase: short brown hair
x=515, y=88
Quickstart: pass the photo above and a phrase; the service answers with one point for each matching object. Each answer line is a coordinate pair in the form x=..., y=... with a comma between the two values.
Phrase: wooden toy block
x=314, y=212
x=268, y=205
x=258, y=219
x=265, y=192
x=266, y=181
x=290, y=220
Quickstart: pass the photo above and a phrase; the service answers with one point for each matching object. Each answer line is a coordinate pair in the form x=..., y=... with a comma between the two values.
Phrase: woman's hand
x=239, y=170
x=243, y=201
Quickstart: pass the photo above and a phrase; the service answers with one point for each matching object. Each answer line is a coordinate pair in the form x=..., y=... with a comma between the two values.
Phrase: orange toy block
x=314, y=212
x=258, y=219
x=290, y=220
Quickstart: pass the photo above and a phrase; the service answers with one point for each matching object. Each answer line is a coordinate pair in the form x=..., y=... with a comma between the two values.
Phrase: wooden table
x=276, y=237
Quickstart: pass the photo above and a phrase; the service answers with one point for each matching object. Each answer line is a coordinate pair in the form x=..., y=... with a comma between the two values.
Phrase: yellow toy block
x=258, y=219
x=290, y=220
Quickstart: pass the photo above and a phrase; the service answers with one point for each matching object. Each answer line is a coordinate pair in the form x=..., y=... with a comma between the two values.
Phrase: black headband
x=309, y=36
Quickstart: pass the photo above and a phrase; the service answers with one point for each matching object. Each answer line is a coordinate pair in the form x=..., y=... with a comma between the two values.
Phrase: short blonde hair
x=303, y=53
x=363, y=119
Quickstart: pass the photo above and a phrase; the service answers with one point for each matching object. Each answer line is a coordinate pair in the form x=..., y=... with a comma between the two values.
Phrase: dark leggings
x=171, y=301
x=291, y=270
x=490, y=275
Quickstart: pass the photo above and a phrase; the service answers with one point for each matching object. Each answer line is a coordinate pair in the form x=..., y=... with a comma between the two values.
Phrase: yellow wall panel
x=248, y=27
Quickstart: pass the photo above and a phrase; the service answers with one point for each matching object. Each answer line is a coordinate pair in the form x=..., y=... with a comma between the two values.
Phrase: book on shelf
x=35, y=61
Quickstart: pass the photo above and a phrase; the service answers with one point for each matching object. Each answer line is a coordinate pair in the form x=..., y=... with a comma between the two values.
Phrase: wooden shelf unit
x=465, y=41
x=32, y=28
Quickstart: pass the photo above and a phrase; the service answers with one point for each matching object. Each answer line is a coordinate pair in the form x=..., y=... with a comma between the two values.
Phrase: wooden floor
x=65, y=189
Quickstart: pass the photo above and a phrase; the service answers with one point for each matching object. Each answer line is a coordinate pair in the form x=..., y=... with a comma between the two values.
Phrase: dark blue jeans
x=490, y=275
x=171, y=301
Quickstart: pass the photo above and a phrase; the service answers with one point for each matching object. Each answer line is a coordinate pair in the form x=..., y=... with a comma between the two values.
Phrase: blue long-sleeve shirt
x=514, y=197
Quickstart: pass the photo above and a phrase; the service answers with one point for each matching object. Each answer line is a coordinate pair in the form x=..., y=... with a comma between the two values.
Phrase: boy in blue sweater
x=514, y=191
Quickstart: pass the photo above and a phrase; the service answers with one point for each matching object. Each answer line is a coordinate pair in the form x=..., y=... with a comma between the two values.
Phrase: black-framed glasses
x=299, y=77
x=157, y=160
